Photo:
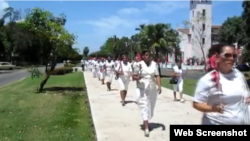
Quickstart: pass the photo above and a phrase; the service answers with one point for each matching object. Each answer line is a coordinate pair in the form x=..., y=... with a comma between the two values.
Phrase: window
x=203, y=41
x=203, y=27
x=193, y=13
x=204, y=12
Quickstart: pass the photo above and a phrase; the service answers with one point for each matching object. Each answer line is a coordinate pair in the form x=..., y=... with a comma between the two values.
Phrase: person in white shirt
x=124, y=71
x=222, y=94
x=109, y=69
x=97, y=69
x=178, y=74
x=94, y=65
x=148, y=86
x=101, y=70
x=83, y=64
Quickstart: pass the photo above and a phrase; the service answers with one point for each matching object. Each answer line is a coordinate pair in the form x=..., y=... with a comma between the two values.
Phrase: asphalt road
x=10, y=76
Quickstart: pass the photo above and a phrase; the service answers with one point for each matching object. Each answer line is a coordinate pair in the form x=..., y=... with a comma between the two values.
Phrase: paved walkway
x=116, y=123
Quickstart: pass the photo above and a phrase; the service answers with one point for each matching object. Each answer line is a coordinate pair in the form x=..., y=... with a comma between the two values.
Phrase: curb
x=12, y=83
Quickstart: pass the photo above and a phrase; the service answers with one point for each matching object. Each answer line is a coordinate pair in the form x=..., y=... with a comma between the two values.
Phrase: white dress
x=101, y=70
x=109, y=71
x=232, y=95
x=179, y=86
x=147, y=89
x=124, y=79
x=94, y=65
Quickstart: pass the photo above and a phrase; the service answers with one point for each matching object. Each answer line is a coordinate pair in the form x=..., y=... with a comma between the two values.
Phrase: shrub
x=69, y=65
x=62, y=71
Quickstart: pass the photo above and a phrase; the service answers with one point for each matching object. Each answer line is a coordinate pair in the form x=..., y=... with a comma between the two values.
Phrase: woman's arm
x=201, y=97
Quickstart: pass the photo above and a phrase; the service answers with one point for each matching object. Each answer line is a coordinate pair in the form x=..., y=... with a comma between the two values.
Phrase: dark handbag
x=173, y=80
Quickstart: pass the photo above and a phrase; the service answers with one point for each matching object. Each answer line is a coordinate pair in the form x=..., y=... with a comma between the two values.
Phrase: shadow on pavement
x=153, y=126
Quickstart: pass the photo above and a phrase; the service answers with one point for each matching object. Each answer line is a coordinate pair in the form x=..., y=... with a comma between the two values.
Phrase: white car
x=6, y=66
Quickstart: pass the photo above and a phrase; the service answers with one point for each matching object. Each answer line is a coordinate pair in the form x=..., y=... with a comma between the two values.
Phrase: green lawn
x=59, y=114
x=188, y=87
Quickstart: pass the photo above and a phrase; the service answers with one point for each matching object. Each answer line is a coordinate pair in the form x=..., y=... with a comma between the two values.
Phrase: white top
x=179, y=71
x=126, y=69
x=147, y=73
x=101, y=65
x=233, y=94
x=109, y=66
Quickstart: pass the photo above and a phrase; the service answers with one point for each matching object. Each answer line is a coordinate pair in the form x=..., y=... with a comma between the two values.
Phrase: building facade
x=201, y=33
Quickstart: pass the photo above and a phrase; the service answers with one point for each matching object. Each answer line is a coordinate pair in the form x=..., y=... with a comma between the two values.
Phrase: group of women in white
x=222, y=94
x=146, y=74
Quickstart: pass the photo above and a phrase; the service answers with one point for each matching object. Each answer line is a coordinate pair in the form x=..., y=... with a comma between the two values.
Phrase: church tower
x=200, y=30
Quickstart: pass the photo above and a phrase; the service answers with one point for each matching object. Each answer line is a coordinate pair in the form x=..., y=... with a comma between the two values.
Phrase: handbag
x=174, y=80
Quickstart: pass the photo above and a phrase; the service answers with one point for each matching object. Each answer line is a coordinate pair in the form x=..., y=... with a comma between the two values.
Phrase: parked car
x=6, y=66
x=243, y=67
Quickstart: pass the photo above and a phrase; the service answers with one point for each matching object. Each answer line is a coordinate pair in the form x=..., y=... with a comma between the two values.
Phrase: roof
x=183, y=30
x=186, y=30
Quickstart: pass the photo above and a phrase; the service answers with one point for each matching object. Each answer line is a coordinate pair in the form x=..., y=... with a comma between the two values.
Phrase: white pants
x=178, y=87
x=101, y=74
x=109, y=76
x=123, y=82
x=147, y=100
x=94, y=72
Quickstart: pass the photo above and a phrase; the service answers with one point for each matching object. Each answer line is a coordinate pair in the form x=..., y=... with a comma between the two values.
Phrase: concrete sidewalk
x=113, y=122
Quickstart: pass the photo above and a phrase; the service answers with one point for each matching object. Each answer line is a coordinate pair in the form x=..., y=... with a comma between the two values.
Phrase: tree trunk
x=42, y=84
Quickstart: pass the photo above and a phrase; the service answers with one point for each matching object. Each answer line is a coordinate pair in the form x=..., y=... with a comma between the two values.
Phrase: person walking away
x=148, y=86
x=178, y=74
x=124, y=71
x=83, y=63
x=109, y=72
x=222, y=94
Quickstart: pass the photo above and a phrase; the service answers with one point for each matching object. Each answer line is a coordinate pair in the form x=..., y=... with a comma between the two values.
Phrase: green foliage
x=232, y=31
x=158, y=38
x=85, y=51
x=62, y=71
x=35, y=72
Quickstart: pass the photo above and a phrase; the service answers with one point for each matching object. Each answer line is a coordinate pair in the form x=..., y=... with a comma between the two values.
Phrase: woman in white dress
x=124, y=71
x=148, y=86
x=178, y=73
x=222, y=94
x=94, y=65
x=101, y=70
x=109, y=72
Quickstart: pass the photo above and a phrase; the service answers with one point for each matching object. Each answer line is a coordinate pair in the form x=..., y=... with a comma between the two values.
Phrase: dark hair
x=145, y=51
x=217, y=48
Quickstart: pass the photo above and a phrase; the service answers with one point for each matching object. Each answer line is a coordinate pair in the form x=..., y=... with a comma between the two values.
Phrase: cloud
x=128, y=11
x=3, y=5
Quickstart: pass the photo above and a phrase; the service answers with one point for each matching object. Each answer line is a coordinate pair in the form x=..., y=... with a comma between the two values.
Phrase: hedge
x=62, y=71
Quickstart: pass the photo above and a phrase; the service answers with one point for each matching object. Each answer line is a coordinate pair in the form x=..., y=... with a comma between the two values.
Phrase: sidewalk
x=113, y=122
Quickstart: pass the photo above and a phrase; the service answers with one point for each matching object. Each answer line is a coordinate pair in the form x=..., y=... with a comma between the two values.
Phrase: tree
x=53, y=38
x=232, y=31
x=86, y=51
x=198, y=29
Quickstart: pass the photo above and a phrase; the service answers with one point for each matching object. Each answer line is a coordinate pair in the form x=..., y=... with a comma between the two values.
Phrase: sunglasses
x=229, y=55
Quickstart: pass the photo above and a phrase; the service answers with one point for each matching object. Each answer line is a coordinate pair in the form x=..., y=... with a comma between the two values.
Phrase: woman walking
x=109, y=67
x=222, y=94
x=101, y=70
x=124, y=71
x=178, y=87
x=148, y=86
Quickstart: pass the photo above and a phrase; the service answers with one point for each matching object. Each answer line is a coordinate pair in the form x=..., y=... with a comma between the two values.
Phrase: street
x=10, y=76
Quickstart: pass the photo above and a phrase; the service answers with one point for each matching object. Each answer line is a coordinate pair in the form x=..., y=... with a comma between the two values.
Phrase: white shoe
x=182, y=100
x=146, y=133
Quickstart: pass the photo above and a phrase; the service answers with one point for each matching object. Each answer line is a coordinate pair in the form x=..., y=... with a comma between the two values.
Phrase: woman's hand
x=136, y=77
x=218, y=109
x=159, y=90
x=248, y=100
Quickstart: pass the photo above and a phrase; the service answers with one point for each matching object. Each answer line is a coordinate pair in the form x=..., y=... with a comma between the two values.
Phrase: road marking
x=12, y=83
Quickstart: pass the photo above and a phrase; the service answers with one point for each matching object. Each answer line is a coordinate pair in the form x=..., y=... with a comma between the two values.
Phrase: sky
x=94, y=21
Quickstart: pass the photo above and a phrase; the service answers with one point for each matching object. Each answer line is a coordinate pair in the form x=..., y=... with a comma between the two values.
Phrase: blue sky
x=94, y=21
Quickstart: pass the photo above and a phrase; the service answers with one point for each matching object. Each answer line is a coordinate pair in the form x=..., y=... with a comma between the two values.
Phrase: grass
x=61, y=113
x=188, y=87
